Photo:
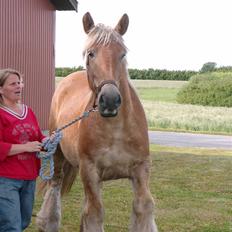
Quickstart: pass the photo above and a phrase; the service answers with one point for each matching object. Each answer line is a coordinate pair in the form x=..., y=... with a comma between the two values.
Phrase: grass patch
x=192, y=189
x=190, y=150
x=193, y=192
x=158, y=84
x=179, y=117
x=158, y=94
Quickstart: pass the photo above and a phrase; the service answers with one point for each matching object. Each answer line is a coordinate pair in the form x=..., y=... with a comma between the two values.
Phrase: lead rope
x=50, y=146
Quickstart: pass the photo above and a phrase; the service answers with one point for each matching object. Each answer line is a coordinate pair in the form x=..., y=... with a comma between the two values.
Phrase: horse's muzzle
x=109, y=100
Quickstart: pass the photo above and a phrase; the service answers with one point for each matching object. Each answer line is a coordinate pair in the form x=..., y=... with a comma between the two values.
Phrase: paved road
x=190, y=140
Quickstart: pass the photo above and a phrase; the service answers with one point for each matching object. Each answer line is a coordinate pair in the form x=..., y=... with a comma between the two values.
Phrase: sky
x=162, y=34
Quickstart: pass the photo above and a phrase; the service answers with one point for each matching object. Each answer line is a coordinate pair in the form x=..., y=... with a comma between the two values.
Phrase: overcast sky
x=162, y=34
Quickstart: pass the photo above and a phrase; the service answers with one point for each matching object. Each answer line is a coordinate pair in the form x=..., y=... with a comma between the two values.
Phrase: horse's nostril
x=118, y=101
x=102, y=100
x=109, y=102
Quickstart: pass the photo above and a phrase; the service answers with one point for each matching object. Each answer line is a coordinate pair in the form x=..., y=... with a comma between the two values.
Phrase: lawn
x=192, y=189
x=158, y=94
x=192, y=118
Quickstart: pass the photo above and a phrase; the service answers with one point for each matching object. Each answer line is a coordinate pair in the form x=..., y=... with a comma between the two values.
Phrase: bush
x=65, y=71
x=210, y=89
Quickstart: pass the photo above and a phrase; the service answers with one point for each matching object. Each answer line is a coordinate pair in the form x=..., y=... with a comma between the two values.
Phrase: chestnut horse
x=109, y=144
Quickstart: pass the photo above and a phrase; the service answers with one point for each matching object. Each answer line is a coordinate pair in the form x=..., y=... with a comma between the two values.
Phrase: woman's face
x=11, y=91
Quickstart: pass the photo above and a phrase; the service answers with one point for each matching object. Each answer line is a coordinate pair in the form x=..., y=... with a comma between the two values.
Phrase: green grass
x=192, y=189
x=158, y=84
x=192, y=118
x=158, y=94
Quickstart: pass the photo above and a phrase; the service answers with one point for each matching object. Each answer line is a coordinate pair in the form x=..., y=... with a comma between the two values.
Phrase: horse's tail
x=69, y=177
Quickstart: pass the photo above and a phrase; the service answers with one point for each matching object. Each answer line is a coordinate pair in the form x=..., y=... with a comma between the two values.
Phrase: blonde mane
x=102, y=35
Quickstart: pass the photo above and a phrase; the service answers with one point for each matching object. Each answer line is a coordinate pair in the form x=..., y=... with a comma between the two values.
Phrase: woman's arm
x=34, y=146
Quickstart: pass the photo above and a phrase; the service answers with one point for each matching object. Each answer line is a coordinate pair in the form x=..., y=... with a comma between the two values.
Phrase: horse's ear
x=122, y=25
x=88, y=22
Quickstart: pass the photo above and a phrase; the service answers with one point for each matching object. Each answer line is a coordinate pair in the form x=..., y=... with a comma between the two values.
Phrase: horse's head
x=105, y=62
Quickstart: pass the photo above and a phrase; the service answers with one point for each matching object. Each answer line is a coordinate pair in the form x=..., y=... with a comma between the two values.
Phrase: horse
x=109, y=144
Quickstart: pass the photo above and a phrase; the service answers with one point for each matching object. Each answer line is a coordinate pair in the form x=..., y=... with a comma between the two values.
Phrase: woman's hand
x=51, y=137
x=48, y=139
x=34, y=146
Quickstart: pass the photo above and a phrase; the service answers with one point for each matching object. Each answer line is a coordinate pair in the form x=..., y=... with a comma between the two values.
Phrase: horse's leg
x=48, y=218
x=92, y=215
x=142, y=219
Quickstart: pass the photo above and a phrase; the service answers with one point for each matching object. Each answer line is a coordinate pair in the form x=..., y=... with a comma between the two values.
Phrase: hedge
x=209, y=89
x=147, y=74
x=65, y=71
x=144, y=74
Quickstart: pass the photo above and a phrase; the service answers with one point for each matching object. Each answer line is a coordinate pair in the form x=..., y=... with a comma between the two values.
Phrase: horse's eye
x=91, y=54
x=123, y=56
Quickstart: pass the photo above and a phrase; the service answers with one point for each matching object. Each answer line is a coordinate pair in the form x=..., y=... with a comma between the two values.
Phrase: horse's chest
x=114, y=154
x=115, y=162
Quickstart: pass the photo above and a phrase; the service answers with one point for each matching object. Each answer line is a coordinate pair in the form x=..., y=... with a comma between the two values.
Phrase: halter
x=97, y=89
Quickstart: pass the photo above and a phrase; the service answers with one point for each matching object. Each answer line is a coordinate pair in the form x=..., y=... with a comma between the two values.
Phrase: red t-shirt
x=18, y=129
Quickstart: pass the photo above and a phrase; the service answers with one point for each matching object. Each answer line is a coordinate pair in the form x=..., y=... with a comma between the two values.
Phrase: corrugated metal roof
x=65, y=4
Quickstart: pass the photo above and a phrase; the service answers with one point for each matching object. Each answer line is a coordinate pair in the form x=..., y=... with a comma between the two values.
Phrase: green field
x=158, y=94
x=158, y=90
x=163, y=113
x=192, y=189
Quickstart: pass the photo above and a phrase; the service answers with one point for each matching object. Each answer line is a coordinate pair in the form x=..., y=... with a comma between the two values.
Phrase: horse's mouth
x=109, y=113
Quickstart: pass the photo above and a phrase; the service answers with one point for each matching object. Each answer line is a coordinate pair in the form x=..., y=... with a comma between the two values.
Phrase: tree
x=208, y=67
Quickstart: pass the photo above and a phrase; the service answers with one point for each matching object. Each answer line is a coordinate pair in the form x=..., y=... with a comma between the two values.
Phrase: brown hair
x=4, y=74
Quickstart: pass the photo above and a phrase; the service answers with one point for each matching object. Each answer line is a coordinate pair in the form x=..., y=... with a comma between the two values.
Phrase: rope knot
x=49, y=145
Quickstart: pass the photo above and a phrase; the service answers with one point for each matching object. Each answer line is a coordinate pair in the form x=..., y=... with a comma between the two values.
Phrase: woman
x=20, y=139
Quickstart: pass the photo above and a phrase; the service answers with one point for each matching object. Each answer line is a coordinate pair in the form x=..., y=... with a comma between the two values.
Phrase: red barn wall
x=27, y=44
